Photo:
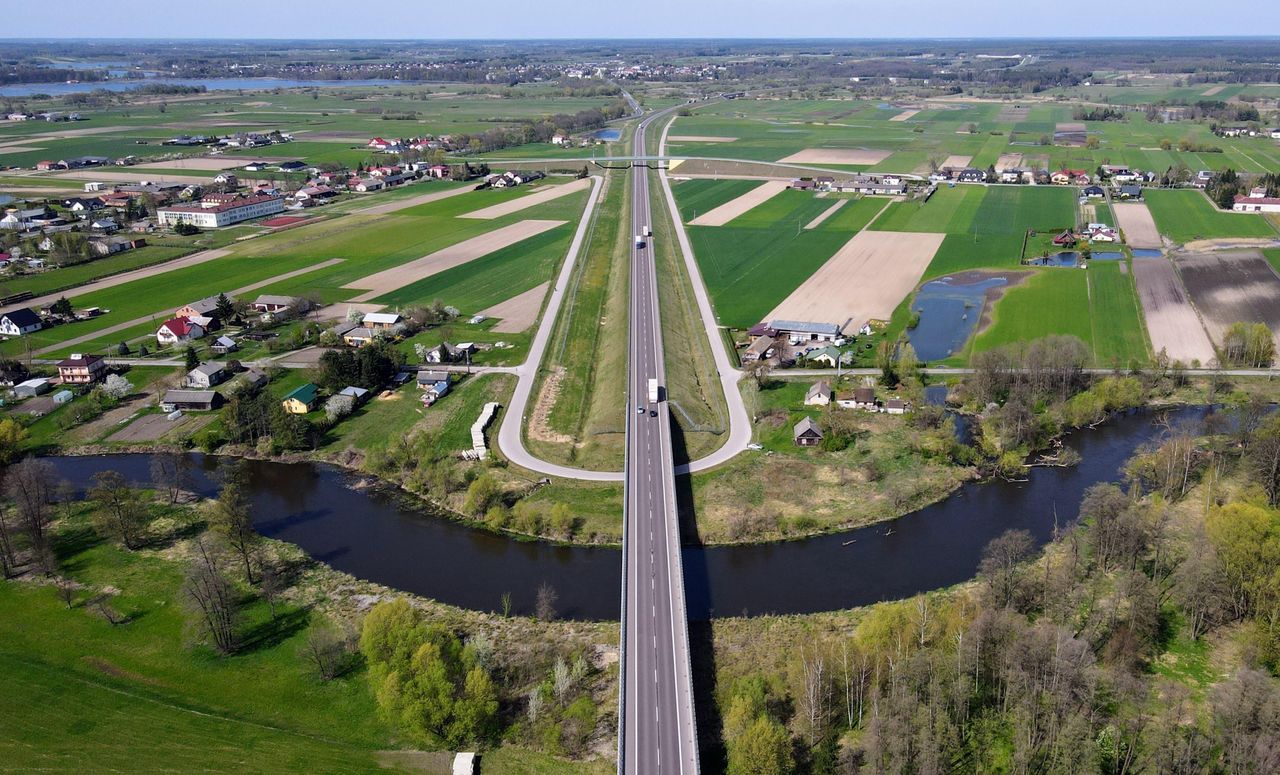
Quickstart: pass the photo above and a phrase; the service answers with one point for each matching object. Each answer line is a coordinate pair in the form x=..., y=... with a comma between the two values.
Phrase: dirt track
x=1172, y=322
x=836, y=156
x=865, y=280
x=726, y=212
x=825, y=214
x=1139, y=228
x=518, y=312
x=523, y=203
x=699, y=139
x=389, y=280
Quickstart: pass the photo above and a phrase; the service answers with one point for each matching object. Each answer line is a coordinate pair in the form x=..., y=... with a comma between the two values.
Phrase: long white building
x=214, y=212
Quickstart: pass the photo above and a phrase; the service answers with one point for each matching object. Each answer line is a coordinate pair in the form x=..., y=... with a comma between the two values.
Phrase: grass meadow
x=1184, y=216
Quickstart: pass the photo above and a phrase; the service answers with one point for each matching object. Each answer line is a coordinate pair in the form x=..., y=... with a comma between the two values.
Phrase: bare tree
x=171, y=473
x=545, y=606
x=121, y=513
x=66, y=589
x=30, y=485
x=329, y=648
x=999, y=565
x=271, y=584
x=210, y=599
x=230, y=517
x=8, y=561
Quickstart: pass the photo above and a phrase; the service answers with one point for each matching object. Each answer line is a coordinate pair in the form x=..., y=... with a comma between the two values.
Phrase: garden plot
x=957, y=162
x=865, y=280
x=1230, y=287
x=518, y=312
x=735, y=207
x=699, y=139
x=389, y=280
x=1172, y=322
x=1139, y=228
x=525, y=202
x=1013, y=115
x=854, y=156
x=1009, y=161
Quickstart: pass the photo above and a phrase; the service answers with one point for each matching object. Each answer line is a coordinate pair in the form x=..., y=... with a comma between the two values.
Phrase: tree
x=999, y=565
x=210, y=600
x=885, y=362
x=171, y=474
x=545, y=605
x=192, y=358
x=483, y=493
x=12, y=437
x=30, y=485
x=329, y=648
x=231, y=517
x=763, y=749
x=117, y=387
x=121, y=512
x=8, y=559
x=62, y=307
x=224, y=309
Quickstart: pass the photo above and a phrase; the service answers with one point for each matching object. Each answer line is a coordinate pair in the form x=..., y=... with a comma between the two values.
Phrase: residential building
x=358, y=336
x=190, y=400
x=1129, y=192
x=803, y=185
x=826, y=356
x=301, y=399
x=806, y=433
x=177, y=330
x=210, y=213
x=1066, y=239
x=20, y=322
x=223, y=345
x=428, y=378
x=206, y=375
x=381, y=320
x=819, y=394
x=1256, y=204
x=861, y=398
x=205, y=307
x=1093, y=192
x=971, y=175
x=227, y=179
x=273, y=304
x=81, y=369
x=895, y=406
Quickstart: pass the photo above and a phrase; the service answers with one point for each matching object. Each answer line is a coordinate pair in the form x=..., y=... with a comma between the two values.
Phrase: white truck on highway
x=653, y=391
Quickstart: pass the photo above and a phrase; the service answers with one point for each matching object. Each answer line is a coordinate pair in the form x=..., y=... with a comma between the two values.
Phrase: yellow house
x=301, y=399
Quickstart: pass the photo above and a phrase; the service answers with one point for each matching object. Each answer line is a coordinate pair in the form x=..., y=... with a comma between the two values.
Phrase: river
x=378, y=535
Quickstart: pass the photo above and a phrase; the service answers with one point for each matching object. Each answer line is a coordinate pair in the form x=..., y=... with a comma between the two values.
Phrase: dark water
x=1107, y=255
x=1061, y=258
x=1147, y=253
x=376, y=536
x=949, y=311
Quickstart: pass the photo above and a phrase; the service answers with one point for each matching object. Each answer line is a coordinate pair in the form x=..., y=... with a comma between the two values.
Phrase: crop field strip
x=1187, y=216
x=1231, y=287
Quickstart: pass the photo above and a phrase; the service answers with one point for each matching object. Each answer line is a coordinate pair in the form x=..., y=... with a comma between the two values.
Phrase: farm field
x=1138, y=226
x=1050, y=301
x=1172, y=323
x=754, y=262
x=740, y=206
x=1185, y=216
x=1118, y=335
x=1230, y=287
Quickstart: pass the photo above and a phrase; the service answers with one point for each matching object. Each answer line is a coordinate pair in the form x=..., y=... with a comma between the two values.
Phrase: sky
x=344, y=19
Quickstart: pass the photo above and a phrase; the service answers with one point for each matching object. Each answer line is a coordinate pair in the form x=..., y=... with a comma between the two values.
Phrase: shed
x=32, y=387
x=189, y=400
x=806, y=433
x=63, y=397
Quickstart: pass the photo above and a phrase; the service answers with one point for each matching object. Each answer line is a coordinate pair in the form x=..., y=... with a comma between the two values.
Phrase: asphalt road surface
x=657, y=734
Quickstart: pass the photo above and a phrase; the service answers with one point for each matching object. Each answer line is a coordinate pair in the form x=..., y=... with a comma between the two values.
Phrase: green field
x=755, y=261
x=1119, y=337
x=1050, y=301
x=1184, y=216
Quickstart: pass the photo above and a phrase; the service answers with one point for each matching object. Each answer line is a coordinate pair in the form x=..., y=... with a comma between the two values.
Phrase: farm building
x=301, y=399
x=272, y=304
x=1257, y=202
x=860, y=398
x=895, y=406
x=190, y=400
x=760, y=349
x=801, y=330
x=32, y=387
x=381, y=320
x=806, y=433
x=434, y=392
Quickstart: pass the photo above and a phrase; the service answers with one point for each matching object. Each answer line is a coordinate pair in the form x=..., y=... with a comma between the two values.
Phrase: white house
x=20, y=322
x=819, y=394
x=1257, y=202
x=178, y=330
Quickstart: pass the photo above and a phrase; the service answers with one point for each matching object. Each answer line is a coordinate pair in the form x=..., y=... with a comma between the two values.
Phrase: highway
x=657, y=732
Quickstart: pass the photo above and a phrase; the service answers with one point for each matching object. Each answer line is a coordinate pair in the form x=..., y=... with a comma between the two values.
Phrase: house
x=1011, y=175
x=1105, y=234
x=206, y=375
x=293, y=165
x=82, y=205
x=761, y=349
x=1070, y=177
x=1067, y=239
x=190, y=400
x=105, y=225
x=434, y=392
x=364, y=185
x=314, y=194
x=227, y=179
x=560, y=139
x=82, y=369
x=861, y=398
x=827, y=356
x=445, y=353
x=251, y=379
x=895, y=406
x=1274, y=133
x=272, y=304
x=20, y=322
x=358, y=336
x=381, y=320
x=428, y=378
x=1093, y=192
x=199, y=308
x=214, y=211
x=800, y=330
x=223, y=345
x=1129, y=192
x=177, y=330
x=1203, y=178
x=971, y=175
x=32, y=387
x=301, y=399
x=819, y=394
x=806, y=433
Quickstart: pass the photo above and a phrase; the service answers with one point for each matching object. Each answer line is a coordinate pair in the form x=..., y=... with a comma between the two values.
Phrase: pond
x=608, y=135
x=380, y=536
x=1147, y=253
x=949, y=309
